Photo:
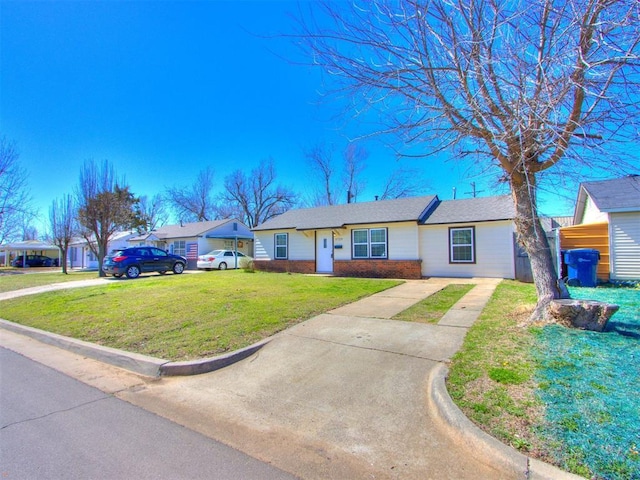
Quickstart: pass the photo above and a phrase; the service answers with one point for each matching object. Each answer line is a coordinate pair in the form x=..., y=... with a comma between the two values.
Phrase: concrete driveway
x=343, y=395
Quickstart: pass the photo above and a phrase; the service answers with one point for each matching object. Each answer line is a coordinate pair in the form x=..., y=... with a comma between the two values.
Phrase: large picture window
x=180, y=248
x=462, y=245
x=369, y=243
x=282, y=246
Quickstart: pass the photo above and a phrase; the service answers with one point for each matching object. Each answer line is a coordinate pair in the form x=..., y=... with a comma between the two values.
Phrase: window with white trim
x=180, y=247
x=281, y=246
x=369, y=242
x=462, y=245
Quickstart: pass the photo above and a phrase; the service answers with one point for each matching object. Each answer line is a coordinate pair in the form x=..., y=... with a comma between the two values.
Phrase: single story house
x=198, y=238
x=607, y=219
x=403, y=238
x=80, y=255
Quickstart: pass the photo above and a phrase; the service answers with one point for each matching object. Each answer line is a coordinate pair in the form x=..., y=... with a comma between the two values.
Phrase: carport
x=236, y=240
x=26, y=247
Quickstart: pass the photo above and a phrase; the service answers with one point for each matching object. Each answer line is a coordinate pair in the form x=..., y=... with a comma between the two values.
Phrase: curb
x=481, y=446
x=135, y=362
x=205, y=365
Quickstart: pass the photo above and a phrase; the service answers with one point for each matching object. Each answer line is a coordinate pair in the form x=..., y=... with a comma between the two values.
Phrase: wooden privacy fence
x=592, y=235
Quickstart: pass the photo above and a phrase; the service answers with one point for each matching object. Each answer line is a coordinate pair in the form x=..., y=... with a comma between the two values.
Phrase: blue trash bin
x=582, y=265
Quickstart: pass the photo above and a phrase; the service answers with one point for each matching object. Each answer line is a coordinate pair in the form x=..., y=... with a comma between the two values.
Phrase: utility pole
x=474, y=192
x=349, y=196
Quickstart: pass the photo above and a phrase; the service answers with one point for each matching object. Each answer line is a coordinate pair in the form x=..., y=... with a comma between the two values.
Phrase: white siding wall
x=624, y=231
x=592, y=214
x=301, y=246
x=263, y=247
x=342, y=237
x=402, y=240
x=495, y=255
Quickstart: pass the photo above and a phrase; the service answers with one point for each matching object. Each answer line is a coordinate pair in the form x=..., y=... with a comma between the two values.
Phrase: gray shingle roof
x=618, y=194
x=472, y=210
x=337, y=216
x=195, y=229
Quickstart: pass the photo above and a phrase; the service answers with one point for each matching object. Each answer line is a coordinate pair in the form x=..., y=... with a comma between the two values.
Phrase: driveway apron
x=342, y=395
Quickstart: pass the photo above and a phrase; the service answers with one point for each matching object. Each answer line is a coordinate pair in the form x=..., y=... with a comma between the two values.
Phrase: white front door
x=324, y=251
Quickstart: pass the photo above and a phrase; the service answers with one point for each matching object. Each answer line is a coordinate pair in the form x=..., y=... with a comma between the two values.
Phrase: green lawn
x=179, y=317
x=15, y=279
x=433, y=308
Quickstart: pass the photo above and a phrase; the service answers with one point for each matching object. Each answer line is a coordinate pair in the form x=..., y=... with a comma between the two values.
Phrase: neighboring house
x=198, y=238
x=607, y=219
x=10, y=251
x=404, y=238
x=80, y=255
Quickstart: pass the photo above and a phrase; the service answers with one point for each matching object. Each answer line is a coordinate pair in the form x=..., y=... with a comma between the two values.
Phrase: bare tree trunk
x=534, y=240
x=63, y=260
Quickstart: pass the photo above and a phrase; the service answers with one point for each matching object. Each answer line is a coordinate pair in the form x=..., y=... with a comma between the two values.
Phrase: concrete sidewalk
x=348, y=394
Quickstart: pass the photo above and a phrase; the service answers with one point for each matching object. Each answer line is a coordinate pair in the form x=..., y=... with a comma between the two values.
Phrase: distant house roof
x=188, y=230
x=482, y=209
x=614, y=195
x=337, y=216
x=29, y=245
x=120, y=235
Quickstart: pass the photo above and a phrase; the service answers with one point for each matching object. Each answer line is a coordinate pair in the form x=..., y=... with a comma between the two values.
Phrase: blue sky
x=164, y=89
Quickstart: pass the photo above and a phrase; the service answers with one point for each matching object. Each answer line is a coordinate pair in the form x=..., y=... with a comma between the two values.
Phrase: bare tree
x=339, y=182
x=62, y=218
x=15, y=202
x=256, y=195
x=320, y=159
x=533, y=87
x=105, y=205
x=402, y=182
x=345, y=187
x=195, y=202
x=355, y=158
x=151, y=213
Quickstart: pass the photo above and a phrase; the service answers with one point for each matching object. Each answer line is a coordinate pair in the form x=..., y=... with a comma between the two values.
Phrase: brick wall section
x=286, y=266
x=409, y=269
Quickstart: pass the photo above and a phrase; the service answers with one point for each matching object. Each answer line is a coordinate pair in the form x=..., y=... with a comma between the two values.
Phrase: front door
x=324, y=251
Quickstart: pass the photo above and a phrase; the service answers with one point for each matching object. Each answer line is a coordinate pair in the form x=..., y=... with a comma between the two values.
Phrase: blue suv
x=136, y=260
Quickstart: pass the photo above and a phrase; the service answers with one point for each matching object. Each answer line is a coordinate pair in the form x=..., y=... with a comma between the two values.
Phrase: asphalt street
x=53, y=427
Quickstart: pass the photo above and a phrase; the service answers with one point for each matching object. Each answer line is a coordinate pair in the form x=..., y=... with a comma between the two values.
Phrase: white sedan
x=222, y=259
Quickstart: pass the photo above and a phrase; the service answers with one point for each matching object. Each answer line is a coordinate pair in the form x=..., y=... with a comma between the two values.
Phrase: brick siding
x=286, y=266
x=410, y=269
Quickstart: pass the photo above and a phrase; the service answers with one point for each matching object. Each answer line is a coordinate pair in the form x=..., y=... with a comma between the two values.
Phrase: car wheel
x=133, y=271
x=162, y=272
x=178, y=268
x=117, y=275
x=222, y=266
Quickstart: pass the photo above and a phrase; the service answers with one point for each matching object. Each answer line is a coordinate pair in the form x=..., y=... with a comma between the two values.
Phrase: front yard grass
x=16, y=279
x=180, y=317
